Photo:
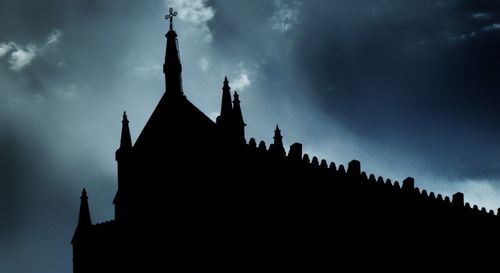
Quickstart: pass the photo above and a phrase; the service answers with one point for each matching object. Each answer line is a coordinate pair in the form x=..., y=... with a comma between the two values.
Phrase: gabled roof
x=174, y=119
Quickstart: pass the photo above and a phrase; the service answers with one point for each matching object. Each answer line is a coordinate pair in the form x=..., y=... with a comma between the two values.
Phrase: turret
x=125, y=140
x=84, y=221
x=278, y=148
x=230, y=121
x=123, y=159
x=238, y=123
x=226, y=110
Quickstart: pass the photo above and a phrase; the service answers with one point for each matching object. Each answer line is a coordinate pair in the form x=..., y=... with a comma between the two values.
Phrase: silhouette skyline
x=390, y=83
x=193, y=196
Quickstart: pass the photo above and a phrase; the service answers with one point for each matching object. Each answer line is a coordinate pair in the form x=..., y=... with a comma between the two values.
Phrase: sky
x=409, y=88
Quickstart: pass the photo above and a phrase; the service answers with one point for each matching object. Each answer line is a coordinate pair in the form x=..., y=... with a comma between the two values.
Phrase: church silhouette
x=194, y=196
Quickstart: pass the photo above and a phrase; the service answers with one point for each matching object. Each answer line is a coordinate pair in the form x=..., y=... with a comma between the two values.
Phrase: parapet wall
x=356, y=175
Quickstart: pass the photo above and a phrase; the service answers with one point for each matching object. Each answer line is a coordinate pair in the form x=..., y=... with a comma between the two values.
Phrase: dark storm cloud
x=420, y=76
x=407, y=87
x=400, y=69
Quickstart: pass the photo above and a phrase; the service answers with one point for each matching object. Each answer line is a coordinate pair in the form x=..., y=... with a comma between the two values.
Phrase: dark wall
x=239, y=208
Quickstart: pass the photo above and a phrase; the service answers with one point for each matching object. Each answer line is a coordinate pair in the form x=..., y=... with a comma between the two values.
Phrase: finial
x=84, y=194
x=170, y=16
x=236, y=97
x=125, y=116
x=277, y=127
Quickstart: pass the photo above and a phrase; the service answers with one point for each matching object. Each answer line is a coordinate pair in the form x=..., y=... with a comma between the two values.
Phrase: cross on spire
x=170, y=16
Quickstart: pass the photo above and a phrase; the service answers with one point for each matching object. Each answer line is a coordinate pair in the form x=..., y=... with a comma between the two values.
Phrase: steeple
x=278, y=142
x=84, y=218
x=123, y=158
x=238, y=123
x=172, y=67
x=84, y=221
x=126, y=140
x=226, y=108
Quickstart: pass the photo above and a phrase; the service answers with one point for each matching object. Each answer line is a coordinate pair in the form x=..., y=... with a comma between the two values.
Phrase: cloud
x=213, y=115
x=22, y=56
x=243, y=81
x=204, y=64
x=484, y=193
x=5, y=48
x=492, y=27
x=285, y=16
x=195, y=13
x=480, y=16
x=148, y=69
x=454, y=38
x=53, y=37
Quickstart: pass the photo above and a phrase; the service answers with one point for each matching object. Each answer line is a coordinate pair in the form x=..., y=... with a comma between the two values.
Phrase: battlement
x=359, y=177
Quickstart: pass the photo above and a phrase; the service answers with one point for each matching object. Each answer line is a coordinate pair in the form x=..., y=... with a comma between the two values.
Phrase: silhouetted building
x=193, y=196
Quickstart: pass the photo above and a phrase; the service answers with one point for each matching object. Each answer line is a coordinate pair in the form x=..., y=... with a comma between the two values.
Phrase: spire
x=239, y=124
x=238, y=116
x=226, y=107
x=84, y=218
x=278, y=142
x=126, y=140
x=172, y=67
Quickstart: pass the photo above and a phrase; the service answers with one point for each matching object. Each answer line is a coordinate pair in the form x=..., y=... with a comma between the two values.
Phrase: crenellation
x=341, y=170
x=262, y=146
x=364, y=177
x=315, y=162
x=323, y=164
x=388, y=182
x=295, y=152
x=372, y=179
x=440, y=198
x=252, y=143
x=380, y=180
x=306, y=159
x=408, y=184
x=432, y=195
x=354, y=168
x=458, y=199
